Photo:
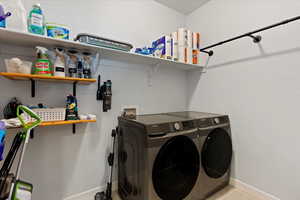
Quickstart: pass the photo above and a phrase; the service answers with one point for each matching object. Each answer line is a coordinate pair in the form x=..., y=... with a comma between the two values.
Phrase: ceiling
x=183, y=6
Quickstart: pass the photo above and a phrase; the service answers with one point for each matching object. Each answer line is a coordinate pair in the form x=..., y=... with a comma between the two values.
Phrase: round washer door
x=176, y=168
x=216, y=153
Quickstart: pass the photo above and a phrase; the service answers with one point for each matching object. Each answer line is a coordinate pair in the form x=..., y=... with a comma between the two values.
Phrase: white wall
x=60, y=164
x=258, y=86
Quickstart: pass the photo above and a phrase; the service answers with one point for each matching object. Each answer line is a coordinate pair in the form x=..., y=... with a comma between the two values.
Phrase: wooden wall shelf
x=58, y=123
x=18, y=76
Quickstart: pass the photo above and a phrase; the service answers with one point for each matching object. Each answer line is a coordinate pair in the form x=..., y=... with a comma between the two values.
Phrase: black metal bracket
x=32, y=134
x=33, y=82
x=74, y=88
x=256, y=39
x=73, y=128
x=210, y=53
x=74, y=94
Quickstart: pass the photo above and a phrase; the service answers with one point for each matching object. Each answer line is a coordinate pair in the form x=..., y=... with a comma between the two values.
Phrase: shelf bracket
x=73, y=128
x=32, y=88
x=153, y=69
x=74, y=94
x=32, y=134
x=206, y=65
x=74, y=88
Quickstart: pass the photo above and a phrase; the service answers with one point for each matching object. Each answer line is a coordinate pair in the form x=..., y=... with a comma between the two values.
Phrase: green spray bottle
x=42, y=66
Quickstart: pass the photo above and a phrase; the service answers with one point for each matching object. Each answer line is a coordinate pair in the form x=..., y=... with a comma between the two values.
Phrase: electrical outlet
x=130, y=107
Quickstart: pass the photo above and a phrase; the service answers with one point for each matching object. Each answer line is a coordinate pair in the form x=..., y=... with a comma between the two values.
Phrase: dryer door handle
x=213, y=127
x=173, y=134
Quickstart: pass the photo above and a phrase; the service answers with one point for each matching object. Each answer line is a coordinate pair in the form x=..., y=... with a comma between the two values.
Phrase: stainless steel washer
x=173, y=156
x=159, y=158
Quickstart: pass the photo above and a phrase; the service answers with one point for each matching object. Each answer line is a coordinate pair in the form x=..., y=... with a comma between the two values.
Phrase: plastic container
x=16, y=65
x=36, y=20
x=57, y=31
x=49, y=114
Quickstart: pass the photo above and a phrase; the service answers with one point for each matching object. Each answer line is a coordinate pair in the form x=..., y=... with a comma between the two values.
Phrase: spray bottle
x=42, y=65
x=59, y=64
x=72, y=63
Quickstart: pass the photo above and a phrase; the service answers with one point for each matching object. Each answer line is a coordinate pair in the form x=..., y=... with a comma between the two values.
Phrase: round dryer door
x=217, y=153
x=176, y=168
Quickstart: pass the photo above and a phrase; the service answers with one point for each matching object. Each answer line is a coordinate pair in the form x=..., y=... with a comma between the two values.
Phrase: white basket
x=49, y=114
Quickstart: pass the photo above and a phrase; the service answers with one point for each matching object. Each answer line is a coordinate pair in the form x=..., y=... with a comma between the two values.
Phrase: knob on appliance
x=217, y=120
x=177, y=126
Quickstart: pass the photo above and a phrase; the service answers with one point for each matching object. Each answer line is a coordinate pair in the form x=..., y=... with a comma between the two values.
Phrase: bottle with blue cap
x=2, y=138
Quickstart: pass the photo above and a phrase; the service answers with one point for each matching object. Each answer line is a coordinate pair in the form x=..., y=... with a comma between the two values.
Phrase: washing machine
x=173, y=156
x=158, y=158
x=215, y=148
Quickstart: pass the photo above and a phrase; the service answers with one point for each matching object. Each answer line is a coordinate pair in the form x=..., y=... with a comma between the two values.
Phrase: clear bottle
x=36, y=20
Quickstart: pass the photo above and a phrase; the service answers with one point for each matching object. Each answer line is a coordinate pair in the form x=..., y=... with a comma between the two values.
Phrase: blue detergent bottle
x=36, y=20
x=2, y=139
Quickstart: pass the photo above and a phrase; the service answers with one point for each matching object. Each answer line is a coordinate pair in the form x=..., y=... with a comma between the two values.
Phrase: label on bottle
x=59, y=69
x=37, y=20
x=42, y=67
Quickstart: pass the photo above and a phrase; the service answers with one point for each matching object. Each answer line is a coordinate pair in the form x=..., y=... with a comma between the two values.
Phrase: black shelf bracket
x=33, y=84
x=74, y=88
x=73, y=128
x=32, y=134
x=74, y=94
x=256, y=38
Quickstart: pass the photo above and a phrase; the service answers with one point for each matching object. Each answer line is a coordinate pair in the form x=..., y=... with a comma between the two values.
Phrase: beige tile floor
x=229, y=193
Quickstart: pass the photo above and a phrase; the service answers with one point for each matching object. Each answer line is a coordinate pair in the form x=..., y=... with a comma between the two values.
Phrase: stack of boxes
x=182, y=46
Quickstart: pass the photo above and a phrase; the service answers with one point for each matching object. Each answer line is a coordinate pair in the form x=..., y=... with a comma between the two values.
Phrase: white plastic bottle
x=59, y=64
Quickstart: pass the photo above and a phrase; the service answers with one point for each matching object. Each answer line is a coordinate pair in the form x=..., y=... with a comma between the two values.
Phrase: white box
x=163, y=47
x=182, y=37
x=189, y=39
x=196, y=40
x=175, y=46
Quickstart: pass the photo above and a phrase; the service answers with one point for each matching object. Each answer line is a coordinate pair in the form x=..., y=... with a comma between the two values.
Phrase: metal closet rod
x=256, y=39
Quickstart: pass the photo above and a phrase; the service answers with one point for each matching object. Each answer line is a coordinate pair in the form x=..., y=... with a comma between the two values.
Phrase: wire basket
x=49, y=114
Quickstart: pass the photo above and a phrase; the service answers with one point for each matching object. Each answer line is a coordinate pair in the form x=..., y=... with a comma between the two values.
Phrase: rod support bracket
x=210, y=53
x=256, y=39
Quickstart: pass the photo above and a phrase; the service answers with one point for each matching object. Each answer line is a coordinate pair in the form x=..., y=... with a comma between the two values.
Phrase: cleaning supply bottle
x=72, y=63
x=36, y=21
x=59, y=64
x=2, y=139
x=3, y=17
x=71, y=108
x=42, y=65
x=17, y=20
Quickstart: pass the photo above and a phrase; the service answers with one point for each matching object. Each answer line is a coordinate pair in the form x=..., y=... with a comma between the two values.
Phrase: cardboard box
x=162, y=47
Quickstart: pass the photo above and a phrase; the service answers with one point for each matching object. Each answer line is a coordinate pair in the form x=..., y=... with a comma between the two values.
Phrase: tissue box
x=162, y=47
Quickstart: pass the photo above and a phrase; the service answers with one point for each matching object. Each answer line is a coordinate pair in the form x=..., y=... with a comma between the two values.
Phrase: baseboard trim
x=90, y=194
x=251, y=189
